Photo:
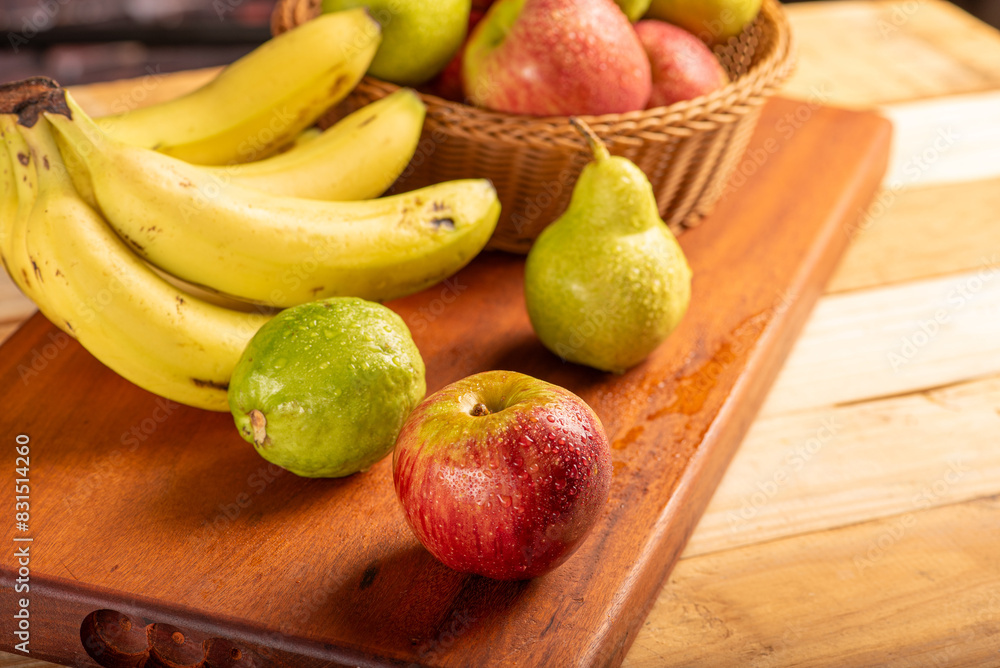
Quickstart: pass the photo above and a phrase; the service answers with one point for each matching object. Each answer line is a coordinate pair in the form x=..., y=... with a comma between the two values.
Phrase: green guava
x=322, y=390
x=419, y=37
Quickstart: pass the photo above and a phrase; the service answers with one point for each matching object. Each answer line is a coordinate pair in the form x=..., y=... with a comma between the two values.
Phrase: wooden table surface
x=859, y=524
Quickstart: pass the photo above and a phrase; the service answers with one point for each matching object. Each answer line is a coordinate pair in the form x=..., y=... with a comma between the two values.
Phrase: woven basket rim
x=721, y=106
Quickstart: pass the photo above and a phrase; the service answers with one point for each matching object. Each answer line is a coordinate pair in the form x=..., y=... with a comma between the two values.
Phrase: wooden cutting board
x=143, y=512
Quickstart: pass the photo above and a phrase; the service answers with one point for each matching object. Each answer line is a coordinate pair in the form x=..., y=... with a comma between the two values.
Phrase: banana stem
x=77, y=130
x=30, y=97
x=597, y=146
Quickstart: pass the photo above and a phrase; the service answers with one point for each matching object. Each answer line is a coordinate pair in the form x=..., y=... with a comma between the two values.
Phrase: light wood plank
x=944, y=140
x=14, y=306
x=923, y=48
x=919, y=589
x=894, y=340
x=831, y=467
x=921, y=233
x=6, y=329
x=8, y=660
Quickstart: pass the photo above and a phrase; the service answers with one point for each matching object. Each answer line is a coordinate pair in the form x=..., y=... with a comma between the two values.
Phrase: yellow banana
x=306, y=136
x=89, y=284
x=8, y=197
x=357, y=158
x=262, y=101
x=273, y=250
x=20, y=188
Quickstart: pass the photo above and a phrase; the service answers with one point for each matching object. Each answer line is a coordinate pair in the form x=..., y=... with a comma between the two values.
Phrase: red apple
x=556, y=58
x=501, y=474
x=683, y=68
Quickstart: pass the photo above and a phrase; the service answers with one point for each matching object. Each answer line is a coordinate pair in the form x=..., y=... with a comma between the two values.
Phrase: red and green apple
x=502, y=474
x=556, y=58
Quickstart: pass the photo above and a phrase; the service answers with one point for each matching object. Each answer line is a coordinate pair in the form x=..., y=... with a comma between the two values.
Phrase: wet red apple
x=501, y=474
x=682, y=67
x=556, y=58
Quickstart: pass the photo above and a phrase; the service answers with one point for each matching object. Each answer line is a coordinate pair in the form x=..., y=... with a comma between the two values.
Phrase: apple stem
x=480, y=409
x=597, y=146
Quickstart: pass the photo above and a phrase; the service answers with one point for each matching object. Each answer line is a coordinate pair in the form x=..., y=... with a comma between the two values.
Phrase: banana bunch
x=164, y=269
x=87, y=282
x=276, y=250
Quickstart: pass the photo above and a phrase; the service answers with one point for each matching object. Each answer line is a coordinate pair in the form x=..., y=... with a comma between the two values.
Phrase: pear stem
x=597, y=146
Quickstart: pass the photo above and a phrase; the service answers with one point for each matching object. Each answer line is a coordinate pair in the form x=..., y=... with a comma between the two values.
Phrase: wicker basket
x=688, y=150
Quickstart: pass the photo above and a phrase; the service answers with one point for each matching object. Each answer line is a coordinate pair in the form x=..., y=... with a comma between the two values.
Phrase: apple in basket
x=683, y=68
x=556, y=58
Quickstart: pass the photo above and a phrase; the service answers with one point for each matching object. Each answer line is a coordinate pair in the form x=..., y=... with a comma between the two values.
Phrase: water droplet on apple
x=559, y=484
x=561, y=441
x=504, y=500
x=533, y=467
x=551, y=418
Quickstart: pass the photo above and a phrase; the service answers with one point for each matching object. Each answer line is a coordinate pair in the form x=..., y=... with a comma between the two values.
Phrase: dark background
x=81, y=41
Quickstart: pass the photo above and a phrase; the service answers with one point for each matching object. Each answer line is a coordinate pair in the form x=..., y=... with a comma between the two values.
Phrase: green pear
x=419, y=37
x=712, y=21
x=634, y=9
x=607, y=282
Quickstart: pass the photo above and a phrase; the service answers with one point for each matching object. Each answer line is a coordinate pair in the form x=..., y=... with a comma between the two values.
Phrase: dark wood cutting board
x=160, y=515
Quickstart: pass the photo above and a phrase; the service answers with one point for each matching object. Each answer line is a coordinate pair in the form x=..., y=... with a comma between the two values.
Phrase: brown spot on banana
x=133, y=243
x=340, y=82
x=211, y=383
x=23, y=158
